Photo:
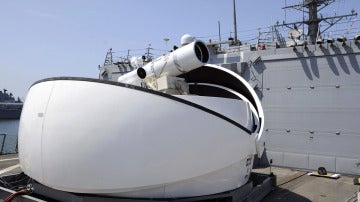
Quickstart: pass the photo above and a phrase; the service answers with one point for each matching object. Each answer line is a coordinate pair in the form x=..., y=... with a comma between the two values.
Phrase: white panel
x=236, y=110
x=100, y=138
x=34, y=113
x=348, y=165
x=296, y=160
x=276, y=157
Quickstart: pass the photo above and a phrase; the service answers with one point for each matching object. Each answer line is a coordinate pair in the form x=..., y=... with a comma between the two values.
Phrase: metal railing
x=3, y=136
x=3, y=143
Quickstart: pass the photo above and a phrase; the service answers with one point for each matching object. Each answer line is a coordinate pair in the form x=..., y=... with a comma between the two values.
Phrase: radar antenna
x=313, y=22
x=109, y=58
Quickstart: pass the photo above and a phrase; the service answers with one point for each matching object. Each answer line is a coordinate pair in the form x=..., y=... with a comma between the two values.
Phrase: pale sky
x=46, y=38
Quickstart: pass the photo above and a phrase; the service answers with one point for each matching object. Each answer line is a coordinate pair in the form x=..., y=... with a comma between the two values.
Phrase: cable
x=14, y=195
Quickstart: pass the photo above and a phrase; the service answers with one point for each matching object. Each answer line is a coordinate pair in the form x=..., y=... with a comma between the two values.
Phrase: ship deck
x=297, y=185
x=294, y=185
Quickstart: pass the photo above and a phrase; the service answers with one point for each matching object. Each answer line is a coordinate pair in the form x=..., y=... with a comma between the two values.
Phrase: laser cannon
x=182, y=60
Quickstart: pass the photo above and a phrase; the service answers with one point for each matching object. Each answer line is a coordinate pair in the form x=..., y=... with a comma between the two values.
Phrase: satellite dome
x=186, y=39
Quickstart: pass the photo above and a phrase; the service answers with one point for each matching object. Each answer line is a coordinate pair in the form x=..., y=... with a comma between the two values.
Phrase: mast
x=109, y=57
x=235, y=27
x=313, y=22
x=219, y=32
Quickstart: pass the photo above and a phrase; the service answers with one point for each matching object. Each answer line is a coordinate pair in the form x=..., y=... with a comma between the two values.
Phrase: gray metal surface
x=310, y=97
x=297, y=186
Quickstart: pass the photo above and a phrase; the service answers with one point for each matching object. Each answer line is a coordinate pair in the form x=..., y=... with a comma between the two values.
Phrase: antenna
x=313, y=22
x=235, y=26
x=219, y=33
x=166, y=43
x=109, y=57
x=148, y=57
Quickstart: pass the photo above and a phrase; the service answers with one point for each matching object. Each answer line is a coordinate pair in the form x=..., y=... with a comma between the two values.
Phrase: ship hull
x=101, y=137
x=310, y=98
x=10, y=111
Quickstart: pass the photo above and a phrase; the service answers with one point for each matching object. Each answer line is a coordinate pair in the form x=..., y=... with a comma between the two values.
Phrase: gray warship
x=309, y=85
x=10, y=108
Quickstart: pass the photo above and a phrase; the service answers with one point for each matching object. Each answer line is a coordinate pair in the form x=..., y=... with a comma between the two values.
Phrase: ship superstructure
x=309, y=84
x=10, y=108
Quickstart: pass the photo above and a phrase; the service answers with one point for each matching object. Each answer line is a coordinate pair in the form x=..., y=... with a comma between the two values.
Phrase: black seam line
x=114, y=83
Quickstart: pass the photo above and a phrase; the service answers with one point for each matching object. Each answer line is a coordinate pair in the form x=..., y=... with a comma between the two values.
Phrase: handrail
x=3, y=143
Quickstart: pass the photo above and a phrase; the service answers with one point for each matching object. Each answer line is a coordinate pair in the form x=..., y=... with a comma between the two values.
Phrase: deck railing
x=3, y=137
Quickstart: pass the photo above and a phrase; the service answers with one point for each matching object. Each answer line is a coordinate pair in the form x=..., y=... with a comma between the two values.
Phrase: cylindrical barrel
x=182, y=60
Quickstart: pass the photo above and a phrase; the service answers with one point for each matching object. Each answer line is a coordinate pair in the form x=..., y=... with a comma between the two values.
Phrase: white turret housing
x=119, y=139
